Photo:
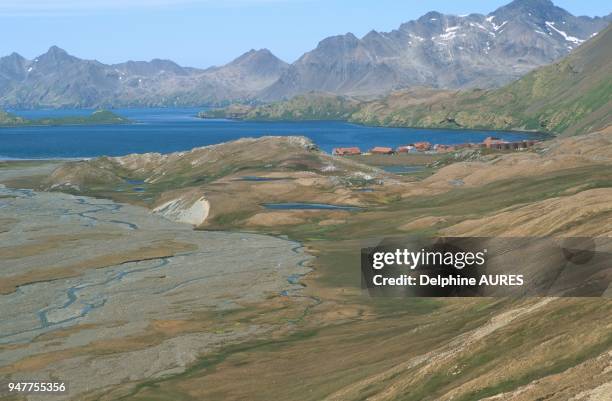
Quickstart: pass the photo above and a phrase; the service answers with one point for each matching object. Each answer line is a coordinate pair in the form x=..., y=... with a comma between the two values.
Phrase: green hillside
x=571, y=96
x=97, y=117
x=312, y=106
x=11, y=119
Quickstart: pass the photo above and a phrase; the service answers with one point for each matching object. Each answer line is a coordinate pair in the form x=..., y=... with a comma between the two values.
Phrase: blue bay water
x=171, y=130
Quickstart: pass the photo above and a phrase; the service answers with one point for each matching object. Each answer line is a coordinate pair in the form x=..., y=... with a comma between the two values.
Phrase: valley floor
x=148, y=308
x=97, y=292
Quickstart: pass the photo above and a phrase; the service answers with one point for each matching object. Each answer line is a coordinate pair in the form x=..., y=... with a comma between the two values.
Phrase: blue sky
x=201, y=33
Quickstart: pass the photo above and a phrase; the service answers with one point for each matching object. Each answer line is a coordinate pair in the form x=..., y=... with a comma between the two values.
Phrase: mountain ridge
x=570, y=96
x=436, y=50
x=59, y=79
x=440, y=51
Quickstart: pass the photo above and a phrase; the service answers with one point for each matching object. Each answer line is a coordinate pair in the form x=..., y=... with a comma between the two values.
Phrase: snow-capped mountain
x=437, y=50
x=443, y=51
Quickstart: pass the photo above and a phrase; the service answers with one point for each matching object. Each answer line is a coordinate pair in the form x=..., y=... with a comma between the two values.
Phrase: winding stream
x=93, y=289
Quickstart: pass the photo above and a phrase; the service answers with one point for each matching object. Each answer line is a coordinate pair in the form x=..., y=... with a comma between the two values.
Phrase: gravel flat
x=78, y=271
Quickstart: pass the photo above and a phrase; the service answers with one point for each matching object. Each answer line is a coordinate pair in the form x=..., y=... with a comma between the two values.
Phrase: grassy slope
x=215, y=171
x=97, y=117
x=333, y=357
x=312, y=106
x=11, y=119
x=362, y=346
x=336, y=358
x=571, y=96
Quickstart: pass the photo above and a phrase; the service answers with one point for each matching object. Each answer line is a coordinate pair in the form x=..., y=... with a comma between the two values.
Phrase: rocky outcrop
x=184, y=211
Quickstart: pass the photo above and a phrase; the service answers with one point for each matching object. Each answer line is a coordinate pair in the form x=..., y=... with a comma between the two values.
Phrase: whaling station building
x=490, y=142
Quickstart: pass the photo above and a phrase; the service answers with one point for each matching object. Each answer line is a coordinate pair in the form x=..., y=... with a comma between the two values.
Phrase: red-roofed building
x=422, y=146
x=493, y=142
x=499, y=144
x=346, y=151
x=381, y=150
x=440, y=148
x=405, y=149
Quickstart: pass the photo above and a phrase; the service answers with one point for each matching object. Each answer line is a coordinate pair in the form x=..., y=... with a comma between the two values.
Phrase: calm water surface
x=308, y=206
x=171, y=130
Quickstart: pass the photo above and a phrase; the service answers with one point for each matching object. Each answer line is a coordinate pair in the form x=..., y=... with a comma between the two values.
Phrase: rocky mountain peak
x=531, y=9
x=14, y=56
x=527, y=5
x=442, y=51
x=348, y=39
x=261, y=62
x=150, y=68
x=57, y=52
x=55, y=57
x=13, y=66
x=430, y=17
x=334, y=46
x=167, y=65
x=255, y=56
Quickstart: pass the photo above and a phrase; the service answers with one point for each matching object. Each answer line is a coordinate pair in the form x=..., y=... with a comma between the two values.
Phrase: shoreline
x=547, y=135
x=517, y=131
x=449, y=133
x=45, y=160
x=62, y=125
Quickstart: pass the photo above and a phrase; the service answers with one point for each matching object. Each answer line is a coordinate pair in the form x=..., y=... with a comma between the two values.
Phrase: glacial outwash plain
x=232, y=271
x=102, y=286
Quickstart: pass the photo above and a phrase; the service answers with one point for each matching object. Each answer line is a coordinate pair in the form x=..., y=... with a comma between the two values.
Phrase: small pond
x=308, y=206
x=257, y=178
x=402, y=169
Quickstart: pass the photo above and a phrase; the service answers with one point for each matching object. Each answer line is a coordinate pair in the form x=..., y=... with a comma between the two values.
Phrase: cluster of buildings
x=496, y=143
x=489, y=143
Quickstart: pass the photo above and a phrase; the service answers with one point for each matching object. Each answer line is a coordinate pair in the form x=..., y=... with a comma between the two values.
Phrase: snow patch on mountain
x=567, y=37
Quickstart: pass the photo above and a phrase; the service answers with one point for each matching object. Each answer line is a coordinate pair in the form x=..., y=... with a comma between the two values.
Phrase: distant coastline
x=541, y=134
x=6, y=159
x=98, y=117
x=172, y=130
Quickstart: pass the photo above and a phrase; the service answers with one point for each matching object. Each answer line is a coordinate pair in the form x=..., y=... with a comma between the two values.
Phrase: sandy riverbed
x=82, y=274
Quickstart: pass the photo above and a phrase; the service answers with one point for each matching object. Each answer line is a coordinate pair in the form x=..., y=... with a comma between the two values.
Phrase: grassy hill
x=311, y=106
x=97, y=117
x=11, y=119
